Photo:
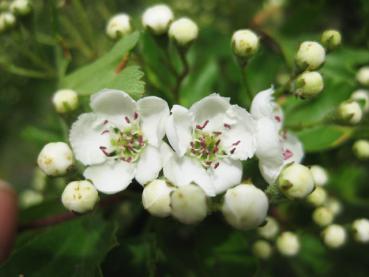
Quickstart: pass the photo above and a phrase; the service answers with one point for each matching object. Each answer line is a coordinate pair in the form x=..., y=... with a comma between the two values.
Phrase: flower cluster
x=10, y=11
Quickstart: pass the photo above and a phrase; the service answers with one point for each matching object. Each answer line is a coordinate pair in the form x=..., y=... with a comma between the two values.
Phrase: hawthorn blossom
x=275, y=147
x=209, y=141
x=120, y=139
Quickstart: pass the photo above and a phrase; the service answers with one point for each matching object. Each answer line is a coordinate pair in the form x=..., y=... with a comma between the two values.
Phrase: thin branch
x=182, y=75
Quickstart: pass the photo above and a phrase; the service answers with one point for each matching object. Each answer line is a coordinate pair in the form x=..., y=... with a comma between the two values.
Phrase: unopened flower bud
x=183, y=31
x=334, y=206
x=322, y=216
x=310, y=55
x=350, y=112
x=362, y=96
x=245, y=206
x=296, y=181
x=20, y=7
x=317, y=197
x=55, y=158
x=334, y=236
x=362, y=76
x=331, y=39
x=189, y=204
x=118, y=26
x=65, y=100
x=360, y=228
x=80, y=196
x=156, y=198
x=262, y=249
x=361, y=149
x=320, y=175
x=7, y=20
x=270, y=229
x=29, y=198
x=245, y=43
x=157, y=19
x=309, y=84
x=288, y=244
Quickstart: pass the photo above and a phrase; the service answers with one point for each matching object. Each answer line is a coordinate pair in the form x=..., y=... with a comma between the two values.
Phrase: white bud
x=317, y=197
x=296, y=181
x=350, y=112
x=118, y=26
x=20, y=7
x=156, y=198
x=362, y=76
x=331, y=39
x=320, y=175
x=262, y=249
x=245, y=43
x=309, y=84
x=362, y=95
x=334, y=236
x=270, y=229
x=55, y=158
x=360, y=228
x=189, y=204
x=288, y=244
x=157, y=19
x=245, y=206
x=80, y=196
x=29, y=198
x=7, y=20
x=323, y=216
x=65, y=100
x=310, y=55
x=183, y=31
x=334, y=206
x=361, y=149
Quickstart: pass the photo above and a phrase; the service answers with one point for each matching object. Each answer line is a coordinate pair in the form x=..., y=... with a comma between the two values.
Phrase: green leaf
x=324, y=137
x=74, y=248
x=102, y=73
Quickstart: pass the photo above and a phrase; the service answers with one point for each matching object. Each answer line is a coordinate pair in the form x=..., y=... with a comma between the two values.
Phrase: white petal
x=212, y=109
x=292, y=148
x=270, y=171
x=226, y=175
x=149, y=165
x=111, y=176
x=241, y=134
x=114, y=105
x=183, y=171
x=154, y=112
x=263, y=104
x=165, y=152
x=179, y=129
x=86, y=138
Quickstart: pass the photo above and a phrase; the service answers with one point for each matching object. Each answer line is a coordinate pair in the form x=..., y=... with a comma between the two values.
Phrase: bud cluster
x=8, y=16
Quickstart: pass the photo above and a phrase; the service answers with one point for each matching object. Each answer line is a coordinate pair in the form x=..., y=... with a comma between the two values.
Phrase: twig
x=182, y=75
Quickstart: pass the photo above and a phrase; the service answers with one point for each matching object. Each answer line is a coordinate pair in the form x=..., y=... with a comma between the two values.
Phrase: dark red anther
x=278, y=118
x=217, y=142
x=233, y=150
x=287, y=154
x=104, y=132
x=236, y=143
x=200, y=127
x=217, y=133
x=227, y=126
x=105, y=121
x=216, y=149
x=106, y=153
x=216, y=165
x=135, y=115
x=127, y=119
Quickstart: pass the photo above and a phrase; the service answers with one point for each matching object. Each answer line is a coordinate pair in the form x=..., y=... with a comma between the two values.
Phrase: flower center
x=127, y=143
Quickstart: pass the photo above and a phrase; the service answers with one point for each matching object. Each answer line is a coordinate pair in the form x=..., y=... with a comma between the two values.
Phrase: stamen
x=278, y=118
x=227, y=126
x=287, y=154
x=127, y=119
x=217, y=133
x=216, y=165
x=106, y=153
x=135, y=115
x=233, y=150
x=236, y=143
x=105, y=122
x=200, y=127
x=104, y=132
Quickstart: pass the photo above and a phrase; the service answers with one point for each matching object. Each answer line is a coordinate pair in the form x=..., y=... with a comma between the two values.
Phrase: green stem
x=181, y=76
x=245, y=83
x=25, y=72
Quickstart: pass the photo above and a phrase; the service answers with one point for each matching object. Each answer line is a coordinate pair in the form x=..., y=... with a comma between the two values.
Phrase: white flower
x=275, y=147
x=296, y=181
x=245, y=43
x=156, y=198
x=361, y=149
x=157, y=19
x=270, y=229
x=318, y=197
x=309, y=84
x=55, y=158
x=119, y=25
x=209, y=140
x=334, y=236
x=288, y=244
x=20, y=7
x=323, y=216
x=262, y=249
x=120, y=140
x=320, y=175
x=183, y=31
x=361, y=95
x=65, y=100
x=310, y=55
x=80, y=196
x=7, y=20
x=362, y=76
x=189, y=204
x=331, y=39
x=350, y=112
x=245, y=206
x=361, y=230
